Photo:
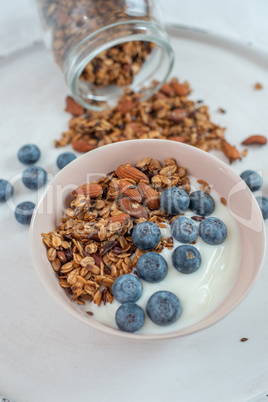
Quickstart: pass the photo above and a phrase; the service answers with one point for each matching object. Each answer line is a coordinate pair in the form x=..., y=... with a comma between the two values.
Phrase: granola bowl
x=80, y=259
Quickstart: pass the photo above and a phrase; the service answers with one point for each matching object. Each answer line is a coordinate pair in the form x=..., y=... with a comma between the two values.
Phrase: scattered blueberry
x=146, y=235
x=129, y=317
x=24, y=211
x=184, y=229
x=252, y=179
x=201, y=203
x=6, y=190
x=213, y=230
x=174, y=200
x=152, y=267
x=65, y=158
x=127, y=288
x=186, y=259
x=163, y=308
x=263, y=203
x=29, y=154
x=34, y=177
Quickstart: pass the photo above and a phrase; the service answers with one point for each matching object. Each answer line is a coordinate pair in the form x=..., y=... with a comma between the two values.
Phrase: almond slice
x=127, y=171
x=133, y=208
x=92, y=190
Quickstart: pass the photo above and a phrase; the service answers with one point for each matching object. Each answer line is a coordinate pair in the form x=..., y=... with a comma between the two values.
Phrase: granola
x=169, y=114
x=93, y=245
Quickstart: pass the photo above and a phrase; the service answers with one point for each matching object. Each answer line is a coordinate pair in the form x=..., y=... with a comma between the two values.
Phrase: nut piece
x=255, y=139
x=129, y=190
x=150, y=196
x=180, y=89
x=73, y=107
x=230, y=151
x=82, y=146
x=92, y=190
x=133, y=208
x=178, y=115
x=129, y=172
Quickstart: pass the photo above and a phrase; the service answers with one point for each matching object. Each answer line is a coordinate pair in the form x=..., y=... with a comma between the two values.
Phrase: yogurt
x=201, y=292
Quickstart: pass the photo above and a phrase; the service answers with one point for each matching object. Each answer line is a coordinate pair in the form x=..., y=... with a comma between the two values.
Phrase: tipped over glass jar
x=104, y=46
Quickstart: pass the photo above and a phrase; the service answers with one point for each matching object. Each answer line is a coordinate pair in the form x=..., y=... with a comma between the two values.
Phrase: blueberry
x=186, y=259
x=34, y=177
x=127, y=288
x=174, y=200
x=213, y=230
x=252, y=179
x=65, y=158
x=146, y=235
x=201, y=203
x=29, y=154
x=163, y=308
x=129, y=317
x=24, y=211
x=184, y=229
x=152, y=267
x=263, y=203
x=6, y=190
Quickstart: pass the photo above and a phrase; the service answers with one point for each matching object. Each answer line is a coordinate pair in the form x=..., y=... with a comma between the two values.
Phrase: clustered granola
x=92, y=245
x=70, y=21
x=169, y=114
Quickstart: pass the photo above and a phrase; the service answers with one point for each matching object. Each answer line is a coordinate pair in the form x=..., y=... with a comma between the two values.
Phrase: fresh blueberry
x=127, y=288
x=184, y=229
x=24, y=211
x=186, y=259
x=29, y=154
x=201, y=203
x=252, y=179
x=263, y=203
x=146, y=235
x=152, y=267
x=174, y=200
x=129, y=317
x=213, y=230
x=65, y=158
x=163, y=308
x=34, y=177
x=6, y=190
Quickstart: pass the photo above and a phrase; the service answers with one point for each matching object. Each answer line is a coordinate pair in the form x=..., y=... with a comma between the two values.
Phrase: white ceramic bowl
x=241, y=203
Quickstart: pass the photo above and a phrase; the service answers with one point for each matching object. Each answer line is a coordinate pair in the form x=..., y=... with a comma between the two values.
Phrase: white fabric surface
x=241, y=19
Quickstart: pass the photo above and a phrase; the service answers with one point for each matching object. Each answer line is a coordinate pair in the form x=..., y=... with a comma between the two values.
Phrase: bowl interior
x=91, y=166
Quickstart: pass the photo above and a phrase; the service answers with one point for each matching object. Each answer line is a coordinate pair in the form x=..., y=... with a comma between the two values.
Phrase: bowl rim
x=114, y=331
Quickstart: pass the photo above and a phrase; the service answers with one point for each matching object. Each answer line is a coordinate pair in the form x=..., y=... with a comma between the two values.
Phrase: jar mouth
x=157, y=65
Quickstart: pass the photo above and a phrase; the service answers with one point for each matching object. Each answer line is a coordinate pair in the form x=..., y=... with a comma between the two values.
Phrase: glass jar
x=104, y=46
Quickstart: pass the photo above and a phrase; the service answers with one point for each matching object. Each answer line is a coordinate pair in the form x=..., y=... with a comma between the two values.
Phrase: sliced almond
x=133, y=208
x=130, y=172
x=92, y=190
x=129, y=190
x=150, y=196
x=73, y=107
x=255, y=140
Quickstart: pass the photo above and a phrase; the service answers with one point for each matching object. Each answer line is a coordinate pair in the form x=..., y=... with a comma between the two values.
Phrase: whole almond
x=129, y=190
x=230, y=151
x=123, y=219
x=129, y=172
x=73, y=107
x=83, y=146
x=167, y=89
x=255, y=140
x=176, y=138
x=92, y=190
x=150, y=196
x=178, y=115
x=180, y=89
x=133, y=208
x=127, y=106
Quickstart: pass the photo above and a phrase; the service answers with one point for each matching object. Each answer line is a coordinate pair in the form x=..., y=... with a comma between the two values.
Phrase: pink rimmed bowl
x=91, y=166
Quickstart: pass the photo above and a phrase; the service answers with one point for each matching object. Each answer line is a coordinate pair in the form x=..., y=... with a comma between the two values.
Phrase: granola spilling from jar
x=70, y=21
x=93, y=245
x=169, y=114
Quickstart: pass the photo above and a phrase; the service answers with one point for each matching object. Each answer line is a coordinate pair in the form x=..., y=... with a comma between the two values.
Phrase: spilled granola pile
x=169, y=114
x=92, y=245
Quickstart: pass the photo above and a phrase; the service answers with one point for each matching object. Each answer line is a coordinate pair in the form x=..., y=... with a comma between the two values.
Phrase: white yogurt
x=200, y=292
